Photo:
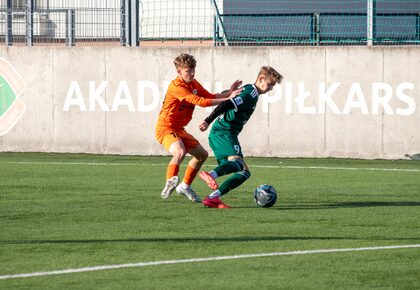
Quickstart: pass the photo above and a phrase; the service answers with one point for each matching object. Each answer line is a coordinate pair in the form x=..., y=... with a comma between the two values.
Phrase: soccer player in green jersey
x=223, y=138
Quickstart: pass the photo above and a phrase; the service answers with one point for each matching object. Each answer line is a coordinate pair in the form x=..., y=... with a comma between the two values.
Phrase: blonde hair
x=185, y=60
x=270, y=74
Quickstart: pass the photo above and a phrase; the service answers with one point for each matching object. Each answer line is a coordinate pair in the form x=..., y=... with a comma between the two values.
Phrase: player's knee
x=248, y=173
x=239, y=164
x=204, y=155
x=179, y=154
x=245, y=173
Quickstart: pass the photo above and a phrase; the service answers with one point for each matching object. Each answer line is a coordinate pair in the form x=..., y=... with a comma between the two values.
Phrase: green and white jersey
x=233, y=121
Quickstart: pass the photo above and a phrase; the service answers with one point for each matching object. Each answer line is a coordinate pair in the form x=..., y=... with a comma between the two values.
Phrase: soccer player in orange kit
x=183, y=94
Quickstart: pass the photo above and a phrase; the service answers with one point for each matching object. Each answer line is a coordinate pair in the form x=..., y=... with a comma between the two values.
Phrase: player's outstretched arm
x=231, y=92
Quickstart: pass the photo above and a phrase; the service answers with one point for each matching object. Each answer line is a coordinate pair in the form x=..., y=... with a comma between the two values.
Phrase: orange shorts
x=168, y=136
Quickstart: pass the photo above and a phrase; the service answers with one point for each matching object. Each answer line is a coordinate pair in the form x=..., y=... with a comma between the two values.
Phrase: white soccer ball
x=265, y=195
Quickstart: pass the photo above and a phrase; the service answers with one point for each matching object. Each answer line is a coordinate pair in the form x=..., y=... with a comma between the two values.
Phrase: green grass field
x=70, y=211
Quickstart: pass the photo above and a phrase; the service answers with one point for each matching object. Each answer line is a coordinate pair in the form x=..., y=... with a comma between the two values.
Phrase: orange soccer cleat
x=209, y=180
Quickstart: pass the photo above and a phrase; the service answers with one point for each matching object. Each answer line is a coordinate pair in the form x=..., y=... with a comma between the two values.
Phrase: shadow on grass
x=356, y=204
x=177, y=240
x=198, y=239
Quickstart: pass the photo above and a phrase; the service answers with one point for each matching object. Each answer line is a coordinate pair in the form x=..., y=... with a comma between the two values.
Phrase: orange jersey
x=180, y=101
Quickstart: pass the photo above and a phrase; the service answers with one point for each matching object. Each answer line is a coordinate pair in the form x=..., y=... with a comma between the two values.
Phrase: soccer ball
x=265, y=195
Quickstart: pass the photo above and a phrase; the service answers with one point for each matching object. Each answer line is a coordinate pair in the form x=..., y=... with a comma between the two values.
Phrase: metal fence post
x=9, y=22
x=70, y=27
x=215, y=32
x=315, y=29
x=123, y=22
x=219, y=19
x=127, y=22
x=130, y=22
x=371, y=21
x=29, y=22
x=134, y=23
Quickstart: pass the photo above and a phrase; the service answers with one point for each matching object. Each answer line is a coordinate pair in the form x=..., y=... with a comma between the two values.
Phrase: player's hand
x=236, y=84
x=203, y=126
x=235, y=93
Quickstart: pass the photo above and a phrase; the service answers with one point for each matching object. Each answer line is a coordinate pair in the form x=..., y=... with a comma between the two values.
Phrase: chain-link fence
x=326, y=22
x=209, y=22
x=70, y=22
x=177, y=22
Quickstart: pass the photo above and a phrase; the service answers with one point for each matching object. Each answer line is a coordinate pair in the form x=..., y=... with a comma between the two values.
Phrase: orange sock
x=190, y=174
x=172, y=170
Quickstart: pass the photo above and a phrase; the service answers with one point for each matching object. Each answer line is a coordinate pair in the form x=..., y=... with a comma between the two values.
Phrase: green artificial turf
x=69, y=211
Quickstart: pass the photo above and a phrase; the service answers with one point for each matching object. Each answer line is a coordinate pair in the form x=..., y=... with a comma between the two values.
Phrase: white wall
x=372, y=110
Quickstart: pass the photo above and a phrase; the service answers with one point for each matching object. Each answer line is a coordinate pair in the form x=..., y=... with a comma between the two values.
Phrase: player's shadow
x=356, y=204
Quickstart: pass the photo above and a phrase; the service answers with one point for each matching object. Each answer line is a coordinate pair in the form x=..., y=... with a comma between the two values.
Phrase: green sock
x=234, y=181
x=228, y=167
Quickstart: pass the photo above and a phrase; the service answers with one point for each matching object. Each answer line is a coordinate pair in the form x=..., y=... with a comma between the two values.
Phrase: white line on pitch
x=83, y=163
x=339, y=168
x=196, y=260
x=212, y=165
